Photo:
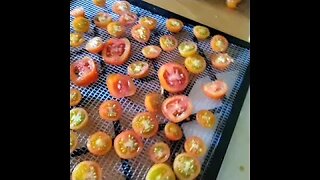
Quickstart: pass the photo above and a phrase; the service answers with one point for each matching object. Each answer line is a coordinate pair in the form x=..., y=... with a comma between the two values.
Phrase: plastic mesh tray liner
x=113, y=167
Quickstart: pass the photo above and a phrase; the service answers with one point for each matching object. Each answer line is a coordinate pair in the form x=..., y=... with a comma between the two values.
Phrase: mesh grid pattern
x=95, y=94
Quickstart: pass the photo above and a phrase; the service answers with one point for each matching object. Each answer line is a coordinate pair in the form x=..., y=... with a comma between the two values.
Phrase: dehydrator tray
x=226, y=111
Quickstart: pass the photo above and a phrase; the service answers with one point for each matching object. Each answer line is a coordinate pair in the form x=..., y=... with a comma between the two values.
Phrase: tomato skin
x=121, y=7
x=75, y=97
x=77, y=12
x=195, y=146
x=122, y=150
x=140, y=33
x=216, y=89
x=102, y=20
x=73, y=141
x=168, y=43
x=195, y=64
x=221, y=61
x=110, y=110
x=84, y=72
x=149, y=118
x=201, y=32
x=153, y=102
x=120, y=85
x=81, y=170
x=162, y=171
x=128, y=19
x=172, y=131
x=99, y=143
x=79, y=118
x=135, y=72
x=219, y=43
x=116, y=51
x=148, y=22
x=81, y=24
x=187, y=48
x=172, y=106
x=100, y=3
x=159, y=149
x=177, y=73
x=206, y=119
x=95, y=45
x=116, y=29
x=151, y=51
x=180, y=164
x=174, y=25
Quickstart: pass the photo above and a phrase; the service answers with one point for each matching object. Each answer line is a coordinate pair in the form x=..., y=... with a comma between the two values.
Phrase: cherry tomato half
x=75, y=97
x=160, y=171
x=87, y=170
x=186, y=167
x=159, y=152
x=110, y=110
x=76, y=39
x=121, y=7
x=153, y=102
x=81, y=24
x=195, y=146
x=73, y=141
x=201, y=32
x=128, y=19
x=78, y=118
x=83, y=72
x=148, y=22
x=168, y=43
x=77, y=12
x=128, y=144
x=232, y=3
x=187, y=48
x=151, y=51
x=221, y=61
x=174, y=25
x=206, y=119
x=138, y=69
x=140, y=33
x=116, y=29
x=116, y=51
x=99, y=143
x=145, y=124
x=120, y=85
x=173, y=77
x=195, y=64
x=219, y=43
x=100, y=3
x=102, y=20
x=177, y=108
x=172, y=131
x=216, y=89
x=94, y=45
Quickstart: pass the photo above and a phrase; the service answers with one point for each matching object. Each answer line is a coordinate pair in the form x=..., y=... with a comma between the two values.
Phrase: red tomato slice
x=159, y=152
x=221, y=61
x=121, y=7
x=174, y=25
x=173, y=132
x=173, y=77
x=219, y=43
x=83, y=72
x=195, y=146
x=128, y=145
x=120, y=85
x=128, y=19
x=145, y=124
x=99, y=143
x=110, y=110
x=140, y=33
x=151, y=51
x=177, y=108
x=138, y=69
x=95, y=45
x=116, y=51
x=216, y=89
x=148, y=22
x=168, y=43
